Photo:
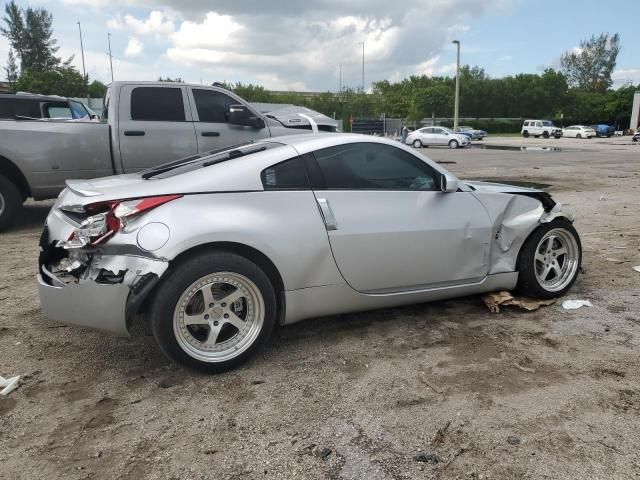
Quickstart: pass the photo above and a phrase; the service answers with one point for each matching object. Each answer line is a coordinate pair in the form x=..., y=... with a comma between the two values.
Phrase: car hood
x=289, y=116
x=499, y=187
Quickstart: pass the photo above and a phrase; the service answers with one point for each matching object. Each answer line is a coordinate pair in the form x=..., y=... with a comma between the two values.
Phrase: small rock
x=210, y=451
x=513, y=440
x=431, y=458
x=257, y=382
x=324, y=453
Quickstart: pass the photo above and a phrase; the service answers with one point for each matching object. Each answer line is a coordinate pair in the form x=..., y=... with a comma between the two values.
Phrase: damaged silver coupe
x=214, y=251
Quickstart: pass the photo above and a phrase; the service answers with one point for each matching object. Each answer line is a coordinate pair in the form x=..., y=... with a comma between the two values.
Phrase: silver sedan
x=215, y=250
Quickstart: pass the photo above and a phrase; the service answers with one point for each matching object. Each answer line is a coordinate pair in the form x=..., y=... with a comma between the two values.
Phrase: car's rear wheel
x=578, y=136
x=454, y=144
x=213, y=311
x=10, y=202
x=545, y=134
x=525, y=134
x=549, y=260
x=417, y=144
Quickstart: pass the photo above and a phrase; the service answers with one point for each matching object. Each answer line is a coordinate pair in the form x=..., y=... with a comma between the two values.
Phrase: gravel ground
x=426, y=391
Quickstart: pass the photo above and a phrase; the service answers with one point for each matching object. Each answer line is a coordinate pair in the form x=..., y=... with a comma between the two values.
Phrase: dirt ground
x=426, y=391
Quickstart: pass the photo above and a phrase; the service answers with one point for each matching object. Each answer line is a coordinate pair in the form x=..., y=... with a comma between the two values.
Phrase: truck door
x=154, y=126
x=210, y=120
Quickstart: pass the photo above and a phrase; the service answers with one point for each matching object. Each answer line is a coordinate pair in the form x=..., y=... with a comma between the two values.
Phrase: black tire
x=454, y=144
x=577, y=136
x=10, y=202
x=545, y=134
x=525, y=134
x=178, y=279
x=417, y=144
x=537, y=136
x=528, y=283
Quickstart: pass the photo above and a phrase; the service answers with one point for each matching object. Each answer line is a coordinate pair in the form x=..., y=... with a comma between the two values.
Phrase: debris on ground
x=8, y=385
x=429, y=384
x=524, y=369
x=573, y=304
x=440, y=434
x=431, y=458
x=637, y=268
x=513, y=440
x=495, y=299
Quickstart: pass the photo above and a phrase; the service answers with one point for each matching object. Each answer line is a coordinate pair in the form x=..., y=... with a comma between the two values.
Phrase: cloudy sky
x=300, y=45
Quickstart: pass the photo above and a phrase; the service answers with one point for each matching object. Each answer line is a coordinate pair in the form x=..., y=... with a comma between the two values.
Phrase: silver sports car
x=215, y=250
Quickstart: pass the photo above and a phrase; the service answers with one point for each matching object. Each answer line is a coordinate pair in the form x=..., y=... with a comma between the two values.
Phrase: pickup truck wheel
x=549, y=260
x=525, y=134
x=212, y=311
x=545, y=134
x=10, y=202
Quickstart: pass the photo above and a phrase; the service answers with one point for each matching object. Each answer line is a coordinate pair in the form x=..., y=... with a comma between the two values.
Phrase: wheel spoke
x=235, y=320
x=560, y=251
x=545, y=273
x=232, y=297
x=556, y=268
x=550, y=241
x=197, y=319
x=207, y=295
x=540, y=258
x=213, y=334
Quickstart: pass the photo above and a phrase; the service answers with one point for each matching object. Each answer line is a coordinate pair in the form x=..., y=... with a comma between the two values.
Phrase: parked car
x=475, y=134
x=578, y=131
x=603, y=130
x=216, y=249
x=144, y=124
x=26, y=106
x=538, y=128
x=433, y=136
x=636, y=136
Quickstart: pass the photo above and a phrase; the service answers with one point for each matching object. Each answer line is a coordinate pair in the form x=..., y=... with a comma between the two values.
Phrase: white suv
x=546, y=128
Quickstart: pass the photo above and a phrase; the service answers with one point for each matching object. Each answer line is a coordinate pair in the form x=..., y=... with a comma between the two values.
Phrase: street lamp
x=362, y=43
x=457, y=99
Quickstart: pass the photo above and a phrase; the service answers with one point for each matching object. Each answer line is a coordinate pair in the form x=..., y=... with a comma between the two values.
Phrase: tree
x=65, y=81
x=591, y=66
x=30, y=34
x=97, y=89
x=11, y=70
x=171, y=80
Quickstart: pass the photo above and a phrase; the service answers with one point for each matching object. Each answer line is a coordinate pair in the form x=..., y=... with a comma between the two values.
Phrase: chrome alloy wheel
x=218, y=317
x=556, y=259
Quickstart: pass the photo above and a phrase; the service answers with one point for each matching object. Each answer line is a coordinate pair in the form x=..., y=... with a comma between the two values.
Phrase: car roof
x=33, y=96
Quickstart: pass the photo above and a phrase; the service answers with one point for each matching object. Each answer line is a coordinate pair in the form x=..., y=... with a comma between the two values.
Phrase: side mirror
x=241, y=115
x=448, y=183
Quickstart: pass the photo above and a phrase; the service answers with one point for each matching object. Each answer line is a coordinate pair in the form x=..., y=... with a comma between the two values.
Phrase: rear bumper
x=87, y=304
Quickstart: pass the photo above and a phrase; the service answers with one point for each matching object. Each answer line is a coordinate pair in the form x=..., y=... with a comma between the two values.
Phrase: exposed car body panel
x=412, y=235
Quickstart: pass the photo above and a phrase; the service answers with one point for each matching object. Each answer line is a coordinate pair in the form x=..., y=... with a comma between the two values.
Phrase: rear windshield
x=194, y=162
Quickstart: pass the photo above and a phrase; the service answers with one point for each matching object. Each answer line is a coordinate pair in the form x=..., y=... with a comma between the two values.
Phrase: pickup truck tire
x=10, y=202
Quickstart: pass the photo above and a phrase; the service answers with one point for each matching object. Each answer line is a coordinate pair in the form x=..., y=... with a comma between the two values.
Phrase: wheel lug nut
x=211, y=305
x=226, y=315
x=223, y=305
x=215, y=324
x=206, y=317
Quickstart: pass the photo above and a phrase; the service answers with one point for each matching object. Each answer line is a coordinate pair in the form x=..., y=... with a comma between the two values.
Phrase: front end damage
x=84, y=282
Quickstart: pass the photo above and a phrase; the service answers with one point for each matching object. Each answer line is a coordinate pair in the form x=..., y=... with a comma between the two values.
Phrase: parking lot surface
x=441, y=390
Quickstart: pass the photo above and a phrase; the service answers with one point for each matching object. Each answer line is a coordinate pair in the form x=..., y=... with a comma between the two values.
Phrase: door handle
x=327, y=214
x=210, y=134
x=134, y=133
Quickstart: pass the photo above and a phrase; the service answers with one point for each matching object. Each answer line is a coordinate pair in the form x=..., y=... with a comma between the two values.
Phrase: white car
x=443, y=136
x=579, y=131
x=537, y=128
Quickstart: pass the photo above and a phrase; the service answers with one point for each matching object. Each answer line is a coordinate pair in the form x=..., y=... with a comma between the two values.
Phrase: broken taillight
x=109, y=217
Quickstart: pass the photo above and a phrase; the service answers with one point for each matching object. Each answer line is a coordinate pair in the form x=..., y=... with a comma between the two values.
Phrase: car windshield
x=183, y=165
x=547, y=123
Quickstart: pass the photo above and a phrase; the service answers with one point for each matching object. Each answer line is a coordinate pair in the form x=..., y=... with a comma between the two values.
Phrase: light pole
x=340, y=81
x=457, y=99
x=110, y=58
x=84, y=72
x=362, y=43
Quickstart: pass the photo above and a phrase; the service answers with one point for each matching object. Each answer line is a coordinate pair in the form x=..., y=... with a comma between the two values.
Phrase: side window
x=5, y=108
x=372, y=166
x=212, y=106
x=438, y=131
x=287, y=175
x=526, y=124
x=538, y=124
x=57, y=110
x=27, y=108
x=78, y=110
x=157, y=104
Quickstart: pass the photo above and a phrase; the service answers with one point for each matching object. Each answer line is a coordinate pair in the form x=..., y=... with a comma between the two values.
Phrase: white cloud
x=134, y=47
x=623, y=76
x=158, y=24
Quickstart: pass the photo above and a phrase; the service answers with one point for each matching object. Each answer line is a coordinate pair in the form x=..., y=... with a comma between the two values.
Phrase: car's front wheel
x=525, y=134
x=417, y=144
x=213, y=310
x=545, y=134
x=454, y=144
x=549, y=260
x=578, y=136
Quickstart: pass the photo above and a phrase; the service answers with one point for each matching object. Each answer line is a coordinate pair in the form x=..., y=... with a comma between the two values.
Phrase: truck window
x=212, y=106
x=78, y=110
x=157, y=104
x=57, y=110
x=27, y=108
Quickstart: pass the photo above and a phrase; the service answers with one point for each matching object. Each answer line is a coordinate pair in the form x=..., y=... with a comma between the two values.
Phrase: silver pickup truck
x=144, y=124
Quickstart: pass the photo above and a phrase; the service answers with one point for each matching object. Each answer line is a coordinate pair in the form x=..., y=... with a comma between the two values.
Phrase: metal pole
x=457, y=99
x=84, y=72
x=362, y=66
x=340, y=80
x=110, y=58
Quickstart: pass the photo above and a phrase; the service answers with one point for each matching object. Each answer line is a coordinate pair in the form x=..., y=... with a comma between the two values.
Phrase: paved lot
x=426, y=391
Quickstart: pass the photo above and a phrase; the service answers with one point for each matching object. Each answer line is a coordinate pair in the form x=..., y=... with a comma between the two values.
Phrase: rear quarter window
x=287, y=175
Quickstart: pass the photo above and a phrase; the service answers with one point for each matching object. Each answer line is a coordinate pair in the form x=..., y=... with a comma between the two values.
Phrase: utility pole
x=362, y=43
x=84, y=71
x=110, y=57
x=457, y=100
x=340, y=81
